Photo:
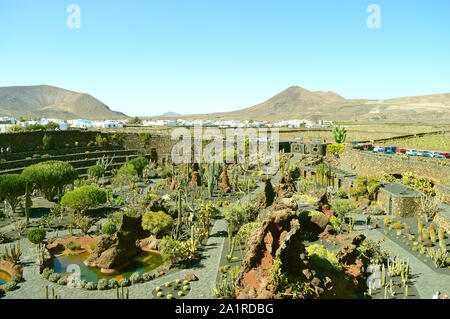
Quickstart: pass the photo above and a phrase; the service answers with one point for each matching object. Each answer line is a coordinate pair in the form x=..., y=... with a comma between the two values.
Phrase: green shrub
x=84, y=197
x=139, y=164
x=119, y=201
x=147, y=276
x=372, y=250
x=158, y=223
x=47, y=272
x=136, y=278
x=102, y=284
x=128, y=169
x=109, y=228
x=335, y=148
x=90, y=286
x=341, y=193
x=124, y=282
x=50, y=177
x=35, y=127
x=54, y=277
x=11, y=187
x=112, y=283
x=47, y=141
x=9, y=286
x=167, y=173
x=36, y=235
x=236, y=215
x=62, y=281
x=323, y=259
x=96, y=171
x=342, y=207
x=176, y=252
x=16, y=128
x=73, y=246
x=335, y=222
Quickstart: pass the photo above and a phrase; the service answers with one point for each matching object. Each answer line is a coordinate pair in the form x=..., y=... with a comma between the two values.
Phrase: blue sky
x=147, y=57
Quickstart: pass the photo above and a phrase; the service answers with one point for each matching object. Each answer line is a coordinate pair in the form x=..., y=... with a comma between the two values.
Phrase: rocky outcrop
x=269, y=195
x=285, y=186
x=281, y=236
x=225, y=182
x=112, y=252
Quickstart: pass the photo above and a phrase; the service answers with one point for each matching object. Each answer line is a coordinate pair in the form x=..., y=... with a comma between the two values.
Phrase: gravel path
x=425, y=279
x=33, y=286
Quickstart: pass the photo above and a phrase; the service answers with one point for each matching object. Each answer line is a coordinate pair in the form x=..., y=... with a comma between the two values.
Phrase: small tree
x=11, y=187
x=84, y=198
x=47, y=141
x=158, y=223
x=95, y=172
x=109, y=228
x=37, y=237
x=339, y=134
x=51, y=177
x=139, y=164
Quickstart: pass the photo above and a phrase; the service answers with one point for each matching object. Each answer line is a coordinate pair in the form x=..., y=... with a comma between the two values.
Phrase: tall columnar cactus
x=28, y=202
x=213, y=171
x=339, y=134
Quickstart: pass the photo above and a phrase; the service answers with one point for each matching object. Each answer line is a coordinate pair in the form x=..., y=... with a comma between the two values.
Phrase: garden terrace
x=80, y=161
x=57, y=151
x=340, y=179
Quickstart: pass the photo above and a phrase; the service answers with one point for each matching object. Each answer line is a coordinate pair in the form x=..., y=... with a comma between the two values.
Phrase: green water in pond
x=4, y=277
x=69, y=265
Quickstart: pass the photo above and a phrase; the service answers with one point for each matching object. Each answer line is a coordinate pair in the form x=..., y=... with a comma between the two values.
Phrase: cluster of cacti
x=407, y=229
x=53, y=294
x=439, y=257
x=13, y=254
x=398, y=267
x=351, y=222
x=213, y=172
x=121, y=294
x=441, y=234
x=419, y=225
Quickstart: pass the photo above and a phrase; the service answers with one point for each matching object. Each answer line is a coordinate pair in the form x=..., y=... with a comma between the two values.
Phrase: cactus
x=391, y=290
x=406, y=292
x=432, y=235
x=425, y=234
x=121, y=295
x=420, y=225
x=385, y=292
x=28, y=202
x=339, y=134
x=383, y=275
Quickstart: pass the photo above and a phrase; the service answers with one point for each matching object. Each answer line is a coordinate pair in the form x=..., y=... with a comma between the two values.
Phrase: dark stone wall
x=28, y=141
x=372, y=164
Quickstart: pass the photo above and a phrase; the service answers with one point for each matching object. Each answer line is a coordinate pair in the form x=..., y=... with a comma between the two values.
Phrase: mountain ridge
x=53, y=102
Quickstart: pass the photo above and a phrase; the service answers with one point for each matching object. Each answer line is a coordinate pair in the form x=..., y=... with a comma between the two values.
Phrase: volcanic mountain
x=52, y=102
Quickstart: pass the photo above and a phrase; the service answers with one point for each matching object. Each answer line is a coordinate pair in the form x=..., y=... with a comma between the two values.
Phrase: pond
x=142, y=263
x=4, y=277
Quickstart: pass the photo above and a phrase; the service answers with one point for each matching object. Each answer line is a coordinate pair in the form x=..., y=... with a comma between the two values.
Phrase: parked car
x=411, y=152
x=437, y=155
x=378, y=149
x=400, y=151
x=447, y=155
x=427, y=154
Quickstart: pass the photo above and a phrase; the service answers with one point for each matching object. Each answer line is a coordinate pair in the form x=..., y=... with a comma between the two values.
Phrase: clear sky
x=147, y=57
